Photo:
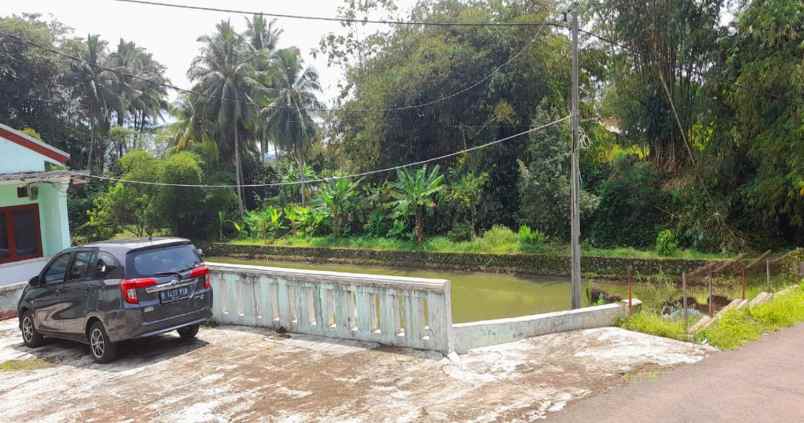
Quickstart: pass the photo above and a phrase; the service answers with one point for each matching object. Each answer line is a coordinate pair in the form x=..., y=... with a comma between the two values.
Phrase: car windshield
x=154, y=261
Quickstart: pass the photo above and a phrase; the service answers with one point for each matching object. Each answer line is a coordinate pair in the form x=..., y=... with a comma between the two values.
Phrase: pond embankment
x=534, y=264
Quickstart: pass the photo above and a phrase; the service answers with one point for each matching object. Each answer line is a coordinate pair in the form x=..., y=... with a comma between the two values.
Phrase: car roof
x=120, y=247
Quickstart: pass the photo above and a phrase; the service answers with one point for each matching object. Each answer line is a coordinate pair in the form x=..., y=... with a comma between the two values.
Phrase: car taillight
x=202, y=271
x=128, y=288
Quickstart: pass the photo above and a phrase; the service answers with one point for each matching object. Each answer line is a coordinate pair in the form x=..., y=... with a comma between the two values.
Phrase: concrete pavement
x=248, y=374
x=761, y=382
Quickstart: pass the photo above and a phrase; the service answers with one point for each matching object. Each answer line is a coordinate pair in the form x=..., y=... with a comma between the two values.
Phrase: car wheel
x=189, y=332
x=102, y=349
x=30, y=336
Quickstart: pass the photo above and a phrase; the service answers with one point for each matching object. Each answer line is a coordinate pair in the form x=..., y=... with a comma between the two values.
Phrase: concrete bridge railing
x=399, y=311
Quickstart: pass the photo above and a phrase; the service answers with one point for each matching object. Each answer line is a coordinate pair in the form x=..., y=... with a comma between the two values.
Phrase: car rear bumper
x=154, y=319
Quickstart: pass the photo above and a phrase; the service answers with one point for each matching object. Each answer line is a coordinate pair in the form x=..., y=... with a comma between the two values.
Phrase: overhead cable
x=339, y=19
x=334, y=178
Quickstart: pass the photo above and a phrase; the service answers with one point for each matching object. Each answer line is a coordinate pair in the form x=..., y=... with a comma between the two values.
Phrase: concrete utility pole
x=575, y=178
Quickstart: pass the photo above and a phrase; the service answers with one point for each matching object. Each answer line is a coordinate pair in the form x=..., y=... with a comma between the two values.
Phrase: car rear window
x=175, y=258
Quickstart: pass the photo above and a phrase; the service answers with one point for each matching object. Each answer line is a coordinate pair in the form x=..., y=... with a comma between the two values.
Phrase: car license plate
x=174, y=294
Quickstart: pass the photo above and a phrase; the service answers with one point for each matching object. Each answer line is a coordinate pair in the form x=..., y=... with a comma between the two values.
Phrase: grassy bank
x=490, y=243
x=735, y=328
x=738, y=327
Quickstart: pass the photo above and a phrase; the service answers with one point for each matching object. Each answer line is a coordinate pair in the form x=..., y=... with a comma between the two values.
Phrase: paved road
x=762, y=382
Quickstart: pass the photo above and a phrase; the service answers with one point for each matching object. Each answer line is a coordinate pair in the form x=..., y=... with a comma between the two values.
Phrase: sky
x=170, y=34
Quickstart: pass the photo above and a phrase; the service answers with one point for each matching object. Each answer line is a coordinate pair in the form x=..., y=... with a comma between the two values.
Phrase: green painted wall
x=53, y=222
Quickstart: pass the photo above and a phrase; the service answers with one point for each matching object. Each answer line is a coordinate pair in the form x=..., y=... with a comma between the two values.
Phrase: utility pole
x=575, y=178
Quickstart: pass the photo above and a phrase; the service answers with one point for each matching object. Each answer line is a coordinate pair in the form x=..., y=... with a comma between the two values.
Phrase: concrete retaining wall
x=501, y=331
x=9, y=296
x=407, y=312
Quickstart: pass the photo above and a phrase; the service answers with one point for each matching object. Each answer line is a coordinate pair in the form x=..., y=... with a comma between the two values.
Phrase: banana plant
x=414, y=192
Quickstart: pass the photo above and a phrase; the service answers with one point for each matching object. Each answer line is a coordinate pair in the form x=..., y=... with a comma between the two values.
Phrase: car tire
x=30, y=336
x=102, y=349
x=188, y=333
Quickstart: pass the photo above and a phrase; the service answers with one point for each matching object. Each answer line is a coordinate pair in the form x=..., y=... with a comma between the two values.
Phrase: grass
x=492, y=242
x=734, y=328
x=19, y=365
x=738, y=327
x=654, y=324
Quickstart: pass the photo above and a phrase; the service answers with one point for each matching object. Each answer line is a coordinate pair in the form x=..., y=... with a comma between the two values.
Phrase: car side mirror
x=34, y=281
x=200, y=252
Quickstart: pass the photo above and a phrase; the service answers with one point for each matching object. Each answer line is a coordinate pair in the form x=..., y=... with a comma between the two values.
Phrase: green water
x=475, y=295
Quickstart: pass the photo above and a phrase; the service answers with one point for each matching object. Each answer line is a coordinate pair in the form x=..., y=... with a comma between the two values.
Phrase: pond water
x=475, y=295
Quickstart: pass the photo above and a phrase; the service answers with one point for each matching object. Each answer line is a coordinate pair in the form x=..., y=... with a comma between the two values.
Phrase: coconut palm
x=97, y=97
x=262, y=33
x=224, y=78
x=287, y=119
x=263, y=36
x=139, y=87
x=414, y=192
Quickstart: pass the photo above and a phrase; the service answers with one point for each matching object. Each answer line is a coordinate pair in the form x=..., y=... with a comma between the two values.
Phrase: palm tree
x=224, y=76
x=414, y=193
x=96, y=94
x=261, y=33
x=140, y=86
x=293, y=89
x=263, y=37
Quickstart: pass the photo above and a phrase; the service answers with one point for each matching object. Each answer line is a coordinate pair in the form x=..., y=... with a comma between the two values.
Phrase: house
x=33, y=204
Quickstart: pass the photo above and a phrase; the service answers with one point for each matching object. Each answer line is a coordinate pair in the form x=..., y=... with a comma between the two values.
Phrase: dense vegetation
x=692, y=127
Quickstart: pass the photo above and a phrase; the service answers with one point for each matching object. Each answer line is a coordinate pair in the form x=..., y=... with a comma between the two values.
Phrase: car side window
x=107, y=267
x=80, y=269
x=58, y=267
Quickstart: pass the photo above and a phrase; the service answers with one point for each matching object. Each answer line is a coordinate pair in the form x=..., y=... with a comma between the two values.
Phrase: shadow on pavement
x=132, y=354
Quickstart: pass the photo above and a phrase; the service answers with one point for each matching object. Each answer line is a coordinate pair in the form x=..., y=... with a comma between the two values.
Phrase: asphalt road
x=761, y=382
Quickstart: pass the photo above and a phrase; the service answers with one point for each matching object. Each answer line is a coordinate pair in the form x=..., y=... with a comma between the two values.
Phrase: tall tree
x=97, y=95
x=263, y=36
x=288, y=118
x=669, y=46
x=224, y=77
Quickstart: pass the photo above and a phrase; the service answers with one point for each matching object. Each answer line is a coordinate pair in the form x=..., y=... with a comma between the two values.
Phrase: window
x=81, y=264
x=175, y=258
x=19, y=233
x=107, y=267
x=55, y=272
x=22, y=192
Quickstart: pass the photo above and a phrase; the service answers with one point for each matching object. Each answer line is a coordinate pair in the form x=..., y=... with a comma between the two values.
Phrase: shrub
x=376, y=224
x=498, y=239
x=530, y=237
x=666, y=244
x=305, y=221
x=631, y=200
x=461, y=232
x=264, y=224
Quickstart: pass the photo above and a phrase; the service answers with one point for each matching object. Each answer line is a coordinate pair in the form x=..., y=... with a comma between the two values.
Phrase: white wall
x=21, y=271
x=16, y=158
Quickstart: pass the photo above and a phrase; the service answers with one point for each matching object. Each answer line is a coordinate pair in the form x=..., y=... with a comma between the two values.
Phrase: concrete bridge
x=395, y=311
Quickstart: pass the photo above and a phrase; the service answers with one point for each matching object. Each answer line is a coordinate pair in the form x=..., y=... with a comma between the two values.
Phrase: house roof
x=33, y=144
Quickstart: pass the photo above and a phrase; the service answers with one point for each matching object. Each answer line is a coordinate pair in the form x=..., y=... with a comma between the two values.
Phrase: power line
x=311, y=109
x=335, y=178
x=336, y=19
